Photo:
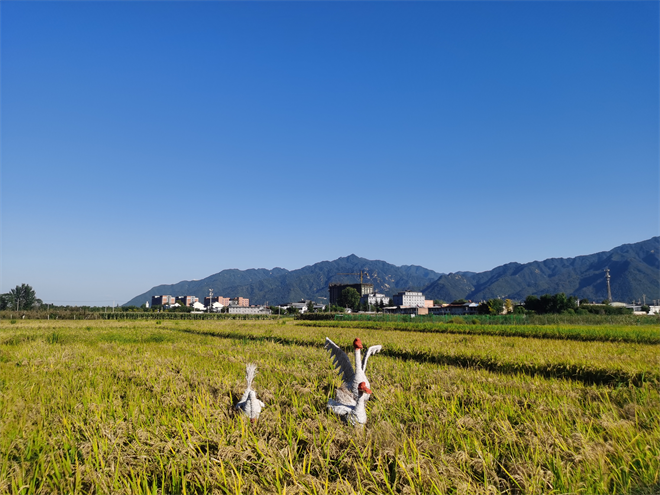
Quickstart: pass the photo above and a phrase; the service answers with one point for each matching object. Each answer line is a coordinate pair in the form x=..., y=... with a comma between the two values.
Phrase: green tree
x=349, y=298
x=22, y=297
x=310, y=306
x=547, y=304
x=495, y=306
x=533, y=303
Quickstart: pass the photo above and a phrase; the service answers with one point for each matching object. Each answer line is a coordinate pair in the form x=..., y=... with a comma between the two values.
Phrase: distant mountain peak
x=635, y=269
x=635, y=272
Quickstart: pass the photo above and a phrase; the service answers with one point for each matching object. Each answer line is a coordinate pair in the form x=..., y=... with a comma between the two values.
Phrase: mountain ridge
x=635, y=270
x=308, y=282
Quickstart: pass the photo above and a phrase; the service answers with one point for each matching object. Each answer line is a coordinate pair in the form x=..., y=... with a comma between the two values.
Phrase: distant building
x=186, y=300
x=249, y=310
x=300, y=306
x=162, y=301
x=409, y=298
x=374, y=299
x=407, y=310
x=224, y=301
x=198, y=306
x=637, y=309
x=457, y=309
x=239, y=301
x=336, y=289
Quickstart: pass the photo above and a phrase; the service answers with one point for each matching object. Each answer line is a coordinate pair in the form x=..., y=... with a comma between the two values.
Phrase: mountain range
x=634, y=270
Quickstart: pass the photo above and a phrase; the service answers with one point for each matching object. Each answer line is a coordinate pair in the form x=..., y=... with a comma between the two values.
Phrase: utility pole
x=607, y=278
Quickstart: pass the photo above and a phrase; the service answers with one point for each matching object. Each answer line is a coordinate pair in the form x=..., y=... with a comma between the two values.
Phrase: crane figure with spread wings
x=352, y=378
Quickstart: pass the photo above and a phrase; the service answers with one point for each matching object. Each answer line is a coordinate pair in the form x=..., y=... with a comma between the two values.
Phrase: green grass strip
x=631, y=334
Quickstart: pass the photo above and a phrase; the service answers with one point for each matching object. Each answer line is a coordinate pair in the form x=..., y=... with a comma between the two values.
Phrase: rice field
x=146, y=407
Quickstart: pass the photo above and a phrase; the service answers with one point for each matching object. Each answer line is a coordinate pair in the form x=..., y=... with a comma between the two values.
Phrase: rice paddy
x=146, y=407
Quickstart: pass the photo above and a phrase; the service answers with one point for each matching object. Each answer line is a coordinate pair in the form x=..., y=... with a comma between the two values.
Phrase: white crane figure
x=350, y=410
x=352, y=378
x=249, y=404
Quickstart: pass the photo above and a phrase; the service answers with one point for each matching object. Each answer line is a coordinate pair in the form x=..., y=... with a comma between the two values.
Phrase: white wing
x=372, y=350
x=338, y=408
x=250, y=373
x=340, y=361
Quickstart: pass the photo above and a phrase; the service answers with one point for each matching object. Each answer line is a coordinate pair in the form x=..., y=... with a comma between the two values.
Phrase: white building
x=409, y=298
x=637, y=309
x=374, y=299
x=468, y=308
x=300, y=306
x=248, y=310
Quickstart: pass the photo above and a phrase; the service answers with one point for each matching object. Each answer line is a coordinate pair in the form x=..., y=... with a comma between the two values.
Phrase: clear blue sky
x=150, y=142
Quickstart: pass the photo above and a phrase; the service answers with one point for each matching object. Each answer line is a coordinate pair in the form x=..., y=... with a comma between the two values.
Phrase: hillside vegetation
x=635, y=270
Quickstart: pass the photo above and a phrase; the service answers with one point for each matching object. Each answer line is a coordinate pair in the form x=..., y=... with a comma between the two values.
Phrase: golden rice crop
x=137, y=407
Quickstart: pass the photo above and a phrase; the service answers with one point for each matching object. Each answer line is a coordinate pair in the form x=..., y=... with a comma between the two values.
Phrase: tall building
x=217, y=299
x=239, y=301
x=409, y=298
x=335, y=290
x=186, y=300
x=162, y=300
